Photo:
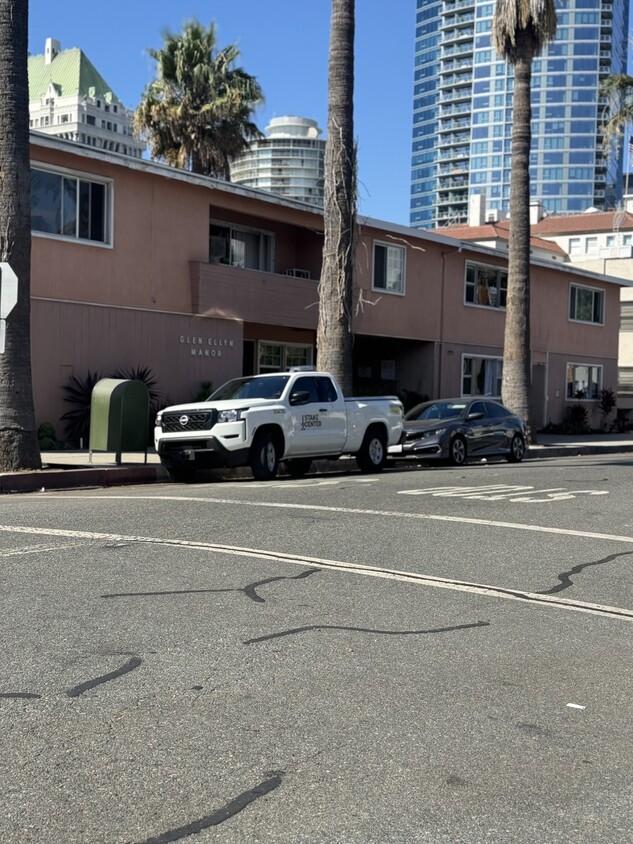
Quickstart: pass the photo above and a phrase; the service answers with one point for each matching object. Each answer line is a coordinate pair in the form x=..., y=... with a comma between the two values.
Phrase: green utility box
x=119, y=416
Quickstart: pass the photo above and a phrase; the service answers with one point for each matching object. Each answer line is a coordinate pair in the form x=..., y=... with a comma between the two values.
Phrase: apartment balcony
x=457, y=154
x=457, y=139
x=453, y=170
x=452, y=182
x=457, y=20
x=451, y=65
x=227, y=292
x=461, y=81
x=458, y=6
x=450, y=124
x=456, y=106
x=451, y=218
x=452, y=52
x=453, y=198
x=454, y=36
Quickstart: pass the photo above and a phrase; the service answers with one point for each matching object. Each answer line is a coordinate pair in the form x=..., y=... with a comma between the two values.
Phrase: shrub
x=607, y=403
x=77, y=421
x=576, y=419
x=47, y=438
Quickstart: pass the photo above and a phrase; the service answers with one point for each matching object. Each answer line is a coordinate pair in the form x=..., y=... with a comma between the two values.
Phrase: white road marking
x=37, y=549
x=323, y=508
x=533, y=598
x=500, y=492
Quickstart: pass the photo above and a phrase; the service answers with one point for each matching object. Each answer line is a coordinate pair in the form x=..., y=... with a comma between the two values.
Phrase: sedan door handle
x=323, y=410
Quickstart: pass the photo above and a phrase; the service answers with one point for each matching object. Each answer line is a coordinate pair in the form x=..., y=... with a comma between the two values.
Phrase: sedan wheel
x=517, y=449
x=457, y=451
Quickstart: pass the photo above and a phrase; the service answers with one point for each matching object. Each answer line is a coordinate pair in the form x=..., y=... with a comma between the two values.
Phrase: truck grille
x=174, y=423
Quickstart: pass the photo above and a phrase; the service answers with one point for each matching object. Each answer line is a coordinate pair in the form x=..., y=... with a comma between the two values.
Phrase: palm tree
x=619, y=91
x=18, y=436
x=197, y=113
x=334, y=333
x=520, y=29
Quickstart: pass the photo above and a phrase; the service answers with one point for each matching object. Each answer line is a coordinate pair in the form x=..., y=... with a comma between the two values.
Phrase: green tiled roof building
x=69, y=98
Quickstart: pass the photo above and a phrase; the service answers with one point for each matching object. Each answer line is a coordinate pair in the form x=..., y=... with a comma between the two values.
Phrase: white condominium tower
x=289, y=161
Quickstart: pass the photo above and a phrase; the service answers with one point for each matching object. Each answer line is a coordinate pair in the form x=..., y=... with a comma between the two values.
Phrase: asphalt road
x=429, y=655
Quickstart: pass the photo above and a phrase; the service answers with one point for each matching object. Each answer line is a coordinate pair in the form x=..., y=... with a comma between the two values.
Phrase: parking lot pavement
x=72, y=469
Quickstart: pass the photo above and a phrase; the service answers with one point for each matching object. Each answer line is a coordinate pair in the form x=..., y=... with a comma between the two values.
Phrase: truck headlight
x=229, y=415
x=159, y=419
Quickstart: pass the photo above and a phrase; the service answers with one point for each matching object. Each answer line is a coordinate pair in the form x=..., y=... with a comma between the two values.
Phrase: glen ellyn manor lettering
x=206, y=347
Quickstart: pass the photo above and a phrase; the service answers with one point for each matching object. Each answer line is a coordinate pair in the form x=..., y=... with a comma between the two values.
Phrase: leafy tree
x=334, y=334
x=520, y=29
x=197, y=113
x=18, y=434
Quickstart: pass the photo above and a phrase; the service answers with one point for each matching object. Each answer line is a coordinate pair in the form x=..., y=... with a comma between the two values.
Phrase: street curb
x=74, y=478
x=59, y=477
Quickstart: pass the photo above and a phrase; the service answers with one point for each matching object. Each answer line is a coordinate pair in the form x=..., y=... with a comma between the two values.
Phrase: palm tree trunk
x=516, y=351
x=18, y=437
x=334, y=334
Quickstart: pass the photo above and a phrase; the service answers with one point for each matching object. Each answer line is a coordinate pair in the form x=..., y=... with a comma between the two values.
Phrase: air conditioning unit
x=297, y=273
x=493, y=215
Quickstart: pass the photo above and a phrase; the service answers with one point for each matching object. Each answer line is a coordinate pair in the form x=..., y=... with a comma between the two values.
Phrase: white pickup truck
x=261, y=420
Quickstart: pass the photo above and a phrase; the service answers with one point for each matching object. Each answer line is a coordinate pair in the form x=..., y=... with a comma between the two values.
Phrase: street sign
x=8, y=289
x=8, y=297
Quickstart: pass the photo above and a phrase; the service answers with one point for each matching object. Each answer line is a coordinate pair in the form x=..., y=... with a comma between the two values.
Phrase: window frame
x=470, y=356
x=81, y=176
x=590, y=366
x=237, y=227
x=402, y=250
x=500, y=271
x=574, y=286
x=283, y=348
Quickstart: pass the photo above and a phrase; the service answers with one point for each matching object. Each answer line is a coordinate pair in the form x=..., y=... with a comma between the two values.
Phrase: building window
x=586, y=304
x=279, y=357
x=574, y=245
x=592, y=244
x=69, y=206
x=481, y=376
x=389, y=268
x=486, y=286
x=241, y=247
x=583, y=381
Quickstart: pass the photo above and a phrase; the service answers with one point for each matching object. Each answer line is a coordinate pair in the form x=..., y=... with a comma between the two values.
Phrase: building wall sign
x=206, y=347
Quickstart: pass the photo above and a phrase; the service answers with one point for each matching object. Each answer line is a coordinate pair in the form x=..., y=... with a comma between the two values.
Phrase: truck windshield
x=255, y=387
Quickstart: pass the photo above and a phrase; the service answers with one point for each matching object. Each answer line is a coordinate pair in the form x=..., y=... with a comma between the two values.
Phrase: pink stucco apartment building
x=138, y=264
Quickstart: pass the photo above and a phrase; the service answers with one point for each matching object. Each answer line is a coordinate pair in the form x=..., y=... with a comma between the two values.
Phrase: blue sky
x=284, y=43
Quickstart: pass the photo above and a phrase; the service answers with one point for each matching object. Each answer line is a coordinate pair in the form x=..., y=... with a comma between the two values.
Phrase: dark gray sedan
x=459, y=429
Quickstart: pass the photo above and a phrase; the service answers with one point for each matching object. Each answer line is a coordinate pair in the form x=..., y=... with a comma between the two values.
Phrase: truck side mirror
x=299, y=397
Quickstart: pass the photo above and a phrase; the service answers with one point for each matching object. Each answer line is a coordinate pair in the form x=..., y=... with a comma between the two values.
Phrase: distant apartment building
x=289, y=161
x=69, y=98
x=462, y=111
x=599, y=242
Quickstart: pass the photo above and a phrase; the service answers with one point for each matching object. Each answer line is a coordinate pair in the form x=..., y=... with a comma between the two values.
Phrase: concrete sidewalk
x=74, y=469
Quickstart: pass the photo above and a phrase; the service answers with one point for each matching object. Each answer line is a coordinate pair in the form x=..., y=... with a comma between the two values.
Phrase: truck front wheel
x=372, y=455
x=265, y=456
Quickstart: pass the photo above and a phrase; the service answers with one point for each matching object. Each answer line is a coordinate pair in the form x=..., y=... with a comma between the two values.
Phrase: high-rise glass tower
x=462, y=111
